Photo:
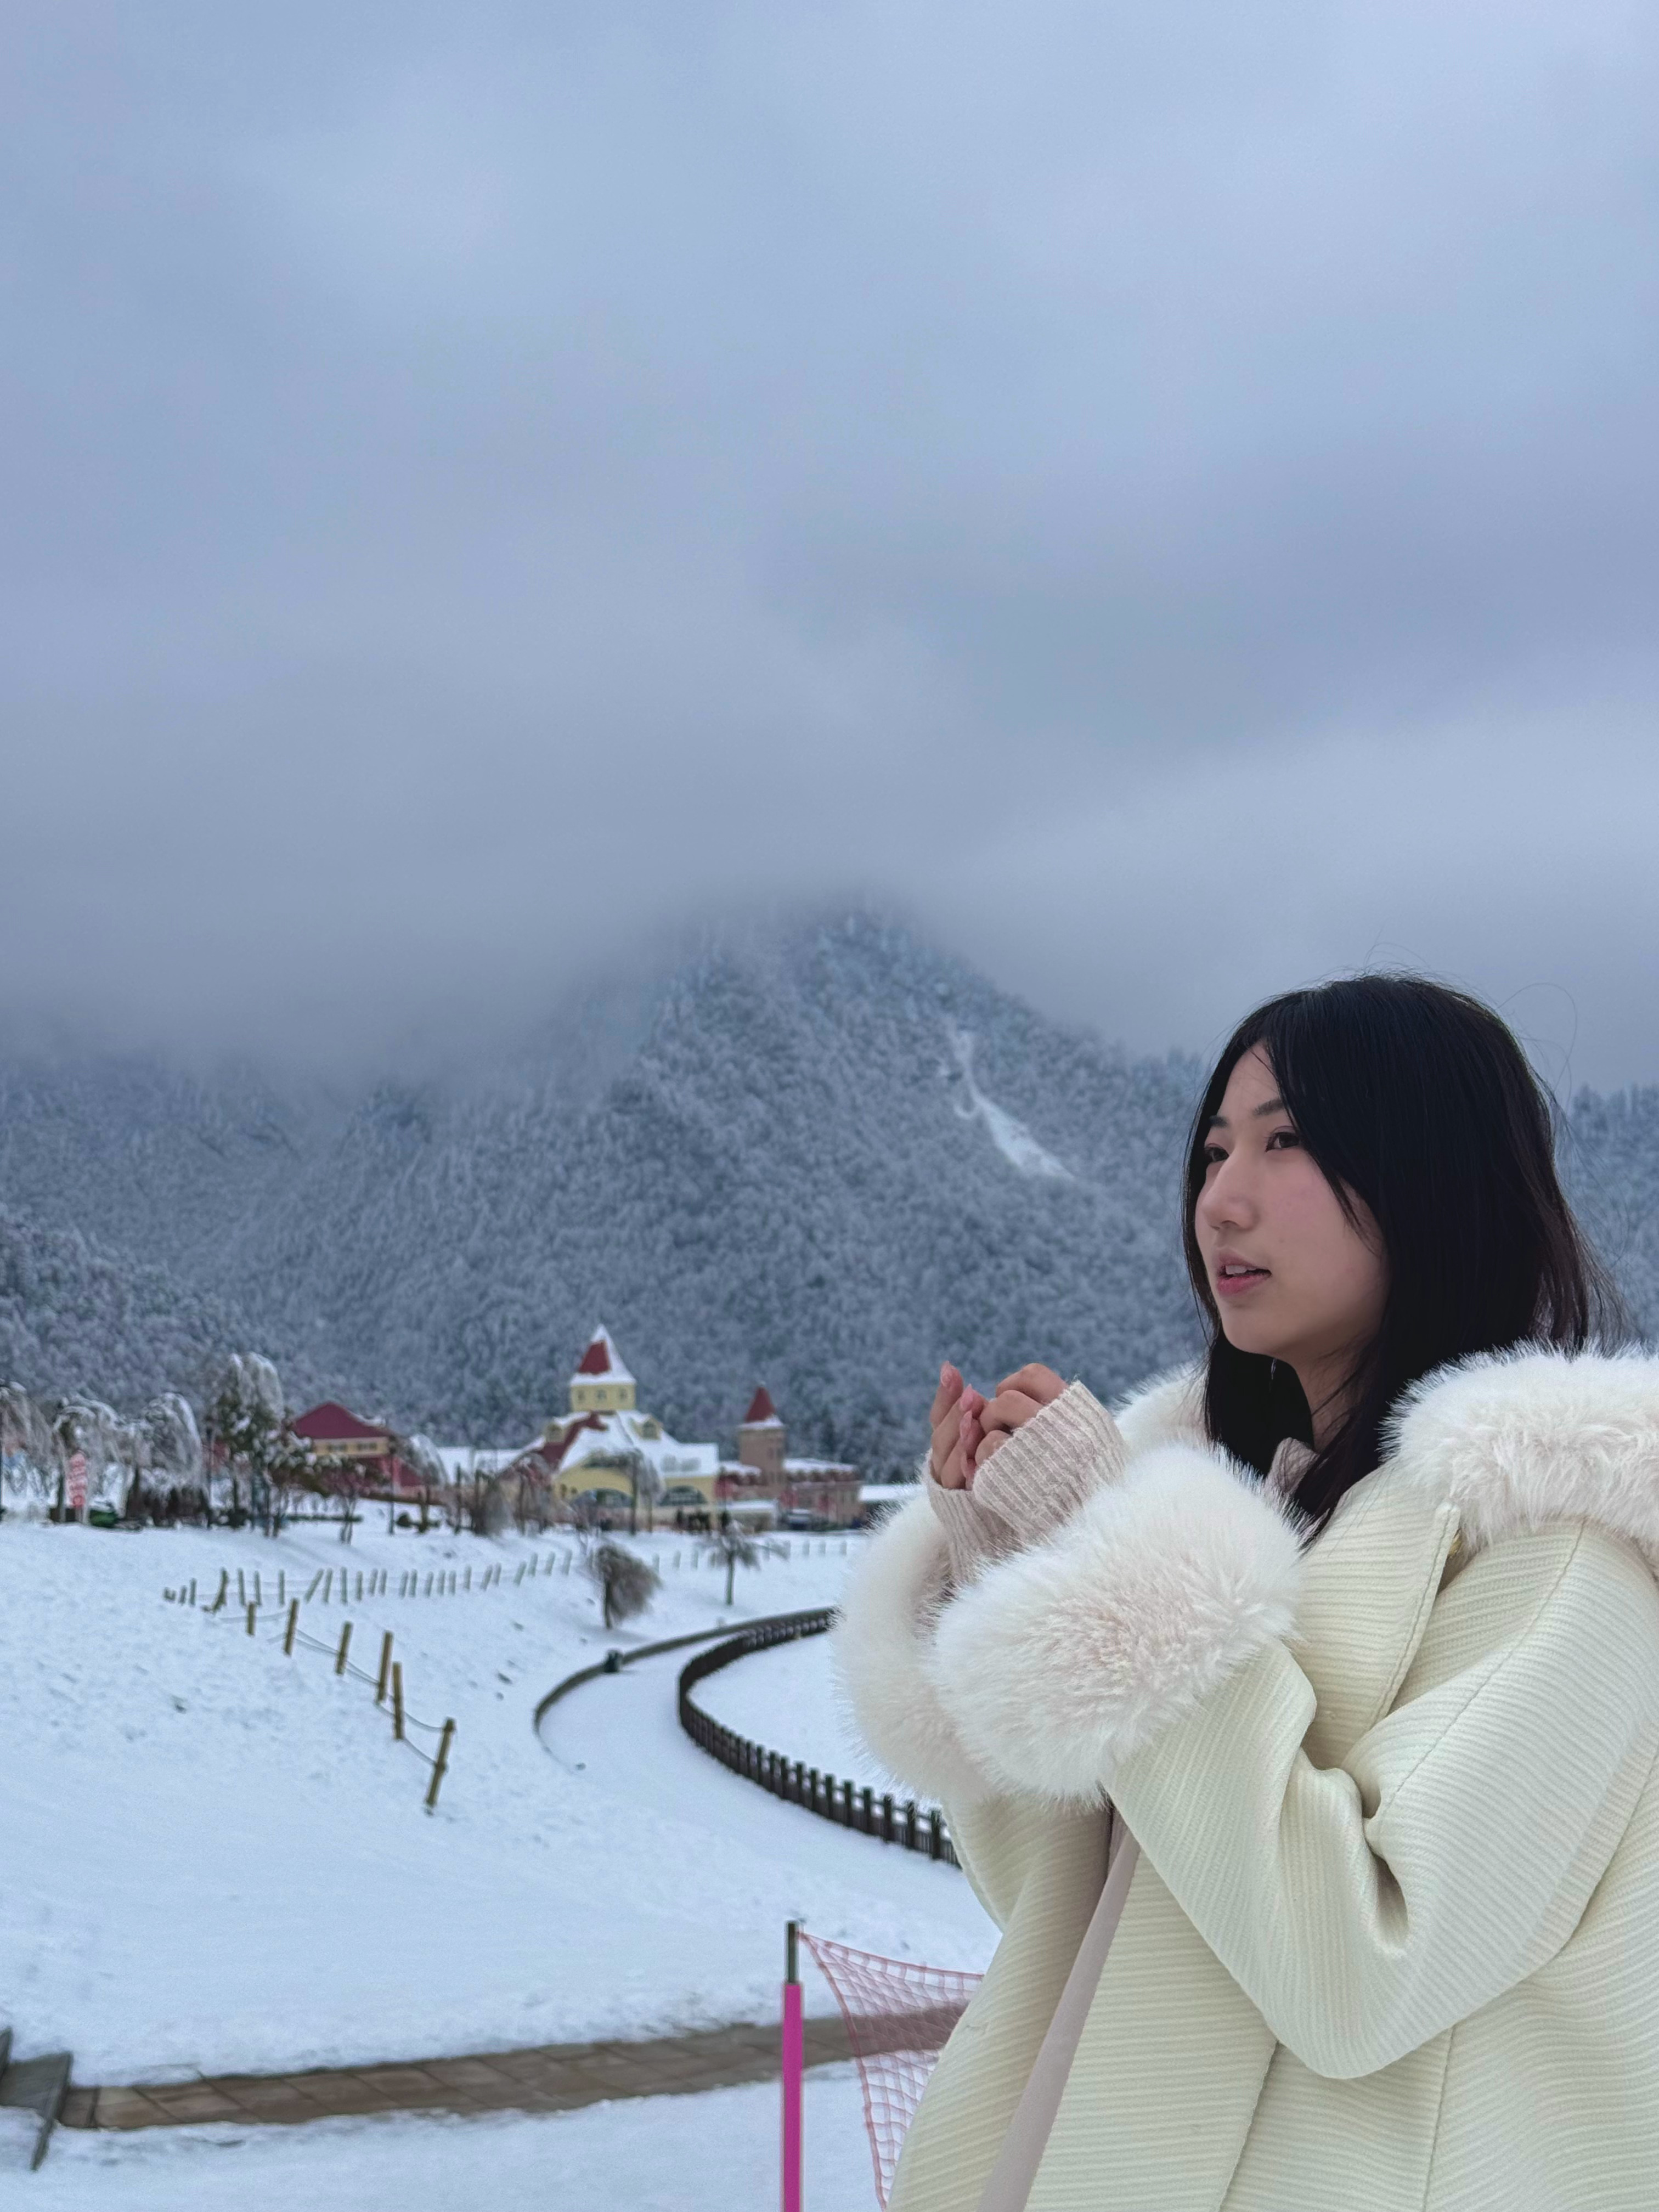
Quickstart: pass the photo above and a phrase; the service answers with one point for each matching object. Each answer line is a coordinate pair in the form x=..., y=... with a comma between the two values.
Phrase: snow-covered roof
x=605, y=1435
x=762, y=1414
x=601, y=1362
x=818, y=1466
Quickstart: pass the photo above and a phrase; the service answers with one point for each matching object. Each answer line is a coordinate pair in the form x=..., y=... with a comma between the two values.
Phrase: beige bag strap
x=1009, y=2182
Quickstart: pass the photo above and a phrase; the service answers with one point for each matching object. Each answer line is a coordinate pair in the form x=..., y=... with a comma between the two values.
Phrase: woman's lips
x=1234, y=1286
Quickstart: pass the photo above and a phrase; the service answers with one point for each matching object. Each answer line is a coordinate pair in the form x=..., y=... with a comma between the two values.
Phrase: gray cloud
x=1171, y=501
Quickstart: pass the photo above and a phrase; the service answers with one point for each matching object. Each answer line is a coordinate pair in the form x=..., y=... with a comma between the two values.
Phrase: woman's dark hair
x=1417, y=1102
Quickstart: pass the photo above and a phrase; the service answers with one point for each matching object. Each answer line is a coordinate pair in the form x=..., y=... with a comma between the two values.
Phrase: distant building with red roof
x=828, y=1489
x=596, y=1450
x=333, y=1431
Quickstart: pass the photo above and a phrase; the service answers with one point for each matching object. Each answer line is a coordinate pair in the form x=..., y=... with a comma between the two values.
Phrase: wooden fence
x=914, y=1827
x=335, y=1585
x=387, y=1680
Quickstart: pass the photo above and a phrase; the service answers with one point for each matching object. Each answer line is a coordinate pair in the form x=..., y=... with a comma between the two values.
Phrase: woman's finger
x=973, y=1411
x=947, y=1434
x=1007, y=1410
x=1035, y=1382
x=949, y=1390
x=992, y=1441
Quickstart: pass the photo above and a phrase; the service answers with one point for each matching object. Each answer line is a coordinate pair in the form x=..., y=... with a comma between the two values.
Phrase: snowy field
x=717, y=2153
x=216, y=1857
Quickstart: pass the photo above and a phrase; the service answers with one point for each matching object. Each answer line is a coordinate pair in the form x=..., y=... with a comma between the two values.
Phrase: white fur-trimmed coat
x=1392, y=1940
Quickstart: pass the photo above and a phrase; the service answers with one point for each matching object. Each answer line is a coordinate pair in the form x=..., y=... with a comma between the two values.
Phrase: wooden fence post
x=192, y=1589
x=251, y=1610
x=281, y=1585
x=345, y=1646
x=440, y=1763
x=397, y=1700
x=218, y=1604
x=293, y=1624
x=385, y=1667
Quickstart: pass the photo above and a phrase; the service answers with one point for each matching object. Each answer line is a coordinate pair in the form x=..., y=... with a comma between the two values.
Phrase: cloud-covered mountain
x=824, y=1163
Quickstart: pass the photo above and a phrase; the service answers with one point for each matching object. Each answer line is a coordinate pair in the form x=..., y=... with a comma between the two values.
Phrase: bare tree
x=734, y=1546
x=643, y=1482
x=421, y=1454
x=626, y=1584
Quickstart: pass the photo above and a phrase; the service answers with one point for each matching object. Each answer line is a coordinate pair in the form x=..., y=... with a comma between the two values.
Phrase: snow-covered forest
x=822, y=1164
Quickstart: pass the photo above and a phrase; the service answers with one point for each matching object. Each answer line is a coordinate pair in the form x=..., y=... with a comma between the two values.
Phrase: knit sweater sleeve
x=1028, y=1487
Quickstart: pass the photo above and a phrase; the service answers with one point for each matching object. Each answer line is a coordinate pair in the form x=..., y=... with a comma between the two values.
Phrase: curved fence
x=914, y=1827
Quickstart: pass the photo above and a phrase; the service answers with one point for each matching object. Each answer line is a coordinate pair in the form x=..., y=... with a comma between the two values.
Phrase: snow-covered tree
x=173, y=1443
x=112, y=1449
x=247, y=1421
x=626, y=1583
x=30, y=1454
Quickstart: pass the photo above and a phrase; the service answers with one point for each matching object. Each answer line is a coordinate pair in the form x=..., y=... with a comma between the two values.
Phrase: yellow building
x=594, y=1450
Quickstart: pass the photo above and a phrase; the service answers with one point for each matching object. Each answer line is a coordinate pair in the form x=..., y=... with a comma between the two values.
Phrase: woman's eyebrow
x=1257, y=1113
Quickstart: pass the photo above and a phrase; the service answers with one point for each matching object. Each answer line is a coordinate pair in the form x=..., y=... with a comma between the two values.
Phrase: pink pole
x=795, y=2067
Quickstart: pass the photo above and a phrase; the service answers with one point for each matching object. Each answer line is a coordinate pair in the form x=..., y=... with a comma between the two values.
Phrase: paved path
x=555, y=2078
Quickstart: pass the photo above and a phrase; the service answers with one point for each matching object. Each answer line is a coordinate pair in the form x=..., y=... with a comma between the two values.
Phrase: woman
x=1344, y=1645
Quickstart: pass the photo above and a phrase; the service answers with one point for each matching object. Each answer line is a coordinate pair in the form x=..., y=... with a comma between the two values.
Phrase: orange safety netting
x=899, y=2016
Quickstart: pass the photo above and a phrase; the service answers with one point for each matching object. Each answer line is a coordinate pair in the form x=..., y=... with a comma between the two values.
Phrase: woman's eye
x=1213, y=1156
x=1283, y=1141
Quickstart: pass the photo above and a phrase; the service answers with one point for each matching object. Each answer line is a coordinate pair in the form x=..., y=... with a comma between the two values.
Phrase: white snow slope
x=216, y=1857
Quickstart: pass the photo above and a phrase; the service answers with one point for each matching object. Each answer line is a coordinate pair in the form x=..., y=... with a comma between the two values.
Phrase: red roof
x=761, y=1407
x=596, y=1360
x=554, y=1453
x=329, y=1424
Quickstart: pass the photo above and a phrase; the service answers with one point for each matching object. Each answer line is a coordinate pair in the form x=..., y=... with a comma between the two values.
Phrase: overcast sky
x=1167, y=494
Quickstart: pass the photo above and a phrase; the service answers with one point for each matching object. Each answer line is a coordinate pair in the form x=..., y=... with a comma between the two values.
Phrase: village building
x=591, y=1452
x=791, y=1491
x=331, y=1431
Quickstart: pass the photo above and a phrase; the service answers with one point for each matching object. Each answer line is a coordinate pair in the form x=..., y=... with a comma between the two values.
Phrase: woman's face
x=1292, y=1276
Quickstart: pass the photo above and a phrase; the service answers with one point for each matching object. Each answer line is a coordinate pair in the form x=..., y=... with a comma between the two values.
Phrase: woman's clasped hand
x=969, y=1427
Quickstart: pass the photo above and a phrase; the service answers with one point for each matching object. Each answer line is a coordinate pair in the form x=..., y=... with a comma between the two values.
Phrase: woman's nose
x=1225, y=1201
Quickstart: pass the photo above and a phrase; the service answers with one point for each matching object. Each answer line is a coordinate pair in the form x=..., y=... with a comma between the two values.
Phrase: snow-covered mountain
x=824, y=1163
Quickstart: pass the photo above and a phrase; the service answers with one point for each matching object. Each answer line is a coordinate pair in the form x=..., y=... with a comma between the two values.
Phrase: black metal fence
x=848, y=1804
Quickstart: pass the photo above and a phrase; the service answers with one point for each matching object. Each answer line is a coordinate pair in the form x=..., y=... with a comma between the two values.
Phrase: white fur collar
x=1513, y=1439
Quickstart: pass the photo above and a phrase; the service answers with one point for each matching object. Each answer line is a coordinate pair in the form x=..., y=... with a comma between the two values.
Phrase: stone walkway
x=555, y=2078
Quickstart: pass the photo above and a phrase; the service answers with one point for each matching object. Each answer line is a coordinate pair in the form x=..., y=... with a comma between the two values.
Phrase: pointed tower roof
x=601, y=1362
x=762, y=1412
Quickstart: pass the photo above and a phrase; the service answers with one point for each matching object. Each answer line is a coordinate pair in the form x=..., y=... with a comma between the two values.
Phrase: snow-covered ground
x=717, y=2153
x=215, y=1857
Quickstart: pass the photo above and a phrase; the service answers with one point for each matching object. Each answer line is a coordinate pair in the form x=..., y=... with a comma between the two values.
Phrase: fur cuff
x=880, y=1650
x=1059, y=1664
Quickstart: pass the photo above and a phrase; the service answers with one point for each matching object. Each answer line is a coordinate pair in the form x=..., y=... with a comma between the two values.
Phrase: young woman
x=1340, y=1650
